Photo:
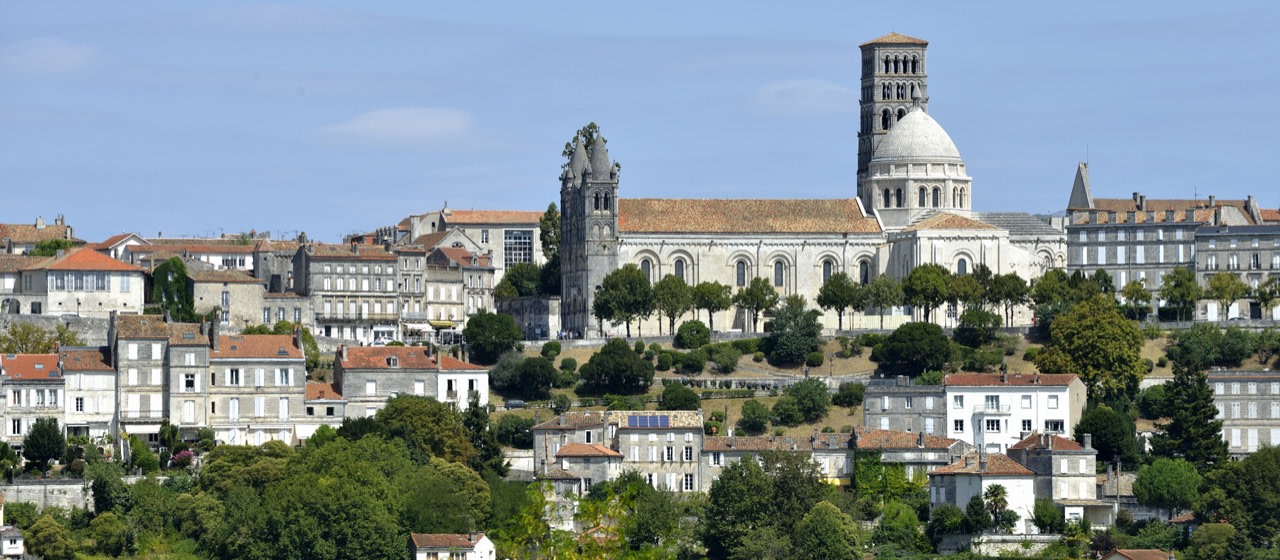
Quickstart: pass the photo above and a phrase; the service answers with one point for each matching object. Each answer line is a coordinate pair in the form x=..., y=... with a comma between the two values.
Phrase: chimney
x=1088, y=441
x=297, y=338
x=1142, y=202
x=213, y=336
x=343, y=350
x=1213, y=201
x=920, y=440
x=471, y=537
x=59, y=221
x=1137, y=199
x=982, y=463
x=40, y=222
x=1004, y=377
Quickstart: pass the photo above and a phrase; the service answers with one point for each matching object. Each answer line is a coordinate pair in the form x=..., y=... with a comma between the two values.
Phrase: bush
x=828, y=430
x=693, y=362
x=639, y=347
x=726, y=358
x=566, y=379
x=1031, y=353
x=812, y=399
x=712, y=427
x=561, y=404
x=814, y=359
x=1153, y=402
x=848, y=348
x=675, y=396
x=1152, y=330
x=655, y=348
x=1008, y=343
x=757, y=357
x=849, y=394
x=786, y=412
x=755, y=417
x=624, y=402
x=551, y=349
x=692, y=334
x=913, y=349
x=869, y=340
x=977, y=327
x=569, y=364
x=747, y=345
x=1148, y=364
x=664, y=361
x=1162, y=362
x=982, y=359
x=648, y=354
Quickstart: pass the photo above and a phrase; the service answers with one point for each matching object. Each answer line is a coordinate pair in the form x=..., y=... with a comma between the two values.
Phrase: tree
x=535, y=377
x=1196, y=348
x=758, y=297
x=826, y=533
x=169, y=290
x=755, y=417
x=946, y=519
x=110, y=534
x=839, y=293
x=1153, y=402
x=617, y=369
x=1047, y=517
x=1095, y=342
x=1172, y=484
x=446, y=498
x=1103, y=279
x=976, y=516
x=786, y=412
x=849, y=394
x=675, y=396
x=489, y=335
x=44, y=442
x=672, y=298
x=1009, y=290
x=693, y=334
x=1212, y=540
x=1113, y=434
x=738, y=503
x=50, y=539
x=1180, y=289
x=1267, y=294
x=884, y=292
x=713, y=297
x=488, y=457
x=50, y=247
x=549, y=235
x=1225, y=288
x=996, y=498
x=515, y=431
x=795, y=332
x=429, y=428
x=912, y=349
x=1136, y=295
x=977, y=327
x=29, y=338
x=797, y=485
x=926, y=287
x=812, y=397
x=1243, y=493
x=624, y=295
x=966, y=289
x=1193, y=431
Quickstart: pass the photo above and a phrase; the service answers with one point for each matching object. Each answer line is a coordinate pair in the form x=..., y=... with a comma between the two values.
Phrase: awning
x=140, y=428
x=442, y=324
x=418, y=326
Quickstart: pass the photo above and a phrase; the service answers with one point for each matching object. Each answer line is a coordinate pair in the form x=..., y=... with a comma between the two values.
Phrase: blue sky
x=335, y=117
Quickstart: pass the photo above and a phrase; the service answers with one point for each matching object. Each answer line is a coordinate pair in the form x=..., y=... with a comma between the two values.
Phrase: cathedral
x=913, y=207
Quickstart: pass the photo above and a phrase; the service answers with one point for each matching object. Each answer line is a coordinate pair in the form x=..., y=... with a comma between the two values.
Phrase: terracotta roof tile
x=430, y=240
x=895, y=38
x=1159, y=206
x=14, y=263
x=31, y=367
x=892, y=439
x=998, y=464
x=1269, y=215
x=317, y=391
x=339, y=251
x=586, y=450
x=947, y=220
x=223, y=276
x=689, y=215
x=187, y=334
x=446, y=541
x=408, y=358
x=141, y=326
x=1059, y=443
x=114, y=239
x=256, y=346
x=573, y=421
x=754, y=443
x=993, y=379
x=1139, y=554
x=282, y=295
x=86, y=260
x=86, y=359
x=558, y=474
x=29, y=233
x=1180, y=216
x=462, y=257
x=492, y=217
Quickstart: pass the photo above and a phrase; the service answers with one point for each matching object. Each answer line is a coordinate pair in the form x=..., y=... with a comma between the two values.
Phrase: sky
x=330, y=118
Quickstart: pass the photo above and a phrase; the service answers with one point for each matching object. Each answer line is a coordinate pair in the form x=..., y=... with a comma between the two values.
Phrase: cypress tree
x=1194, y=431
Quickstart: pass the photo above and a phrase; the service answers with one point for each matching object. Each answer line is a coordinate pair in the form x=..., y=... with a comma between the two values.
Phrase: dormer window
x=393, y=361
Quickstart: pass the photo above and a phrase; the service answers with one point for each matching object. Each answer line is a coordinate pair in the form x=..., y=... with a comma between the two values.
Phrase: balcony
x=991, y=409
x=366, y=318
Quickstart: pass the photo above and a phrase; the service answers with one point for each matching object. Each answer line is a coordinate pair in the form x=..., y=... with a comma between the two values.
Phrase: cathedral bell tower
x=893, y=73
x=589, y=231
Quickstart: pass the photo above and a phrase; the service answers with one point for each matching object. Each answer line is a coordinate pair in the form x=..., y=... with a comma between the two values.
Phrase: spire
x=578, y=164
x=915, y=98
x=1081, y=196
x=600, y=159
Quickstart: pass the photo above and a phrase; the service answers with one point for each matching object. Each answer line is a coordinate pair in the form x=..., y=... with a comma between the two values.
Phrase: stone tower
x=589, y=231
x=893, y=72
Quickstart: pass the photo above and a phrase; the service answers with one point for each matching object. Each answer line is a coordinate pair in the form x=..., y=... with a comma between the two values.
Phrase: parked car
x=514, y=403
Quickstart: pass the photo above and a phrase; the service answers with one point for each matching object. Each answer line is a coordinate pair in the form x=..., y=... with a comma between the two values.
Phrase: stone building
x=78, y=281
x=898, y=404
x=19, y=239
x=1251, y=252
x=257, y=388
x=994, y=411
x=90, y=390
x=665, y=447
x=34, y=388
x=368, y=376
x=1067, y=473
x=324, y=406
x=352, y=289
x=140, y=350
x=893, y=74
x=236, y=294
x=1248, y=404
x=972, y=475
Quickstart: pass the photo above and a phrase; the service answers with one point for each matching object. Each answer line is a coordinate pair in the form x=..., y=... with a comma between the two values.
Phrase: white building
x=994, y=411
x=471, y=546
x=90, y=390
x=82, y=282
x=33, y=389
x=971, y=476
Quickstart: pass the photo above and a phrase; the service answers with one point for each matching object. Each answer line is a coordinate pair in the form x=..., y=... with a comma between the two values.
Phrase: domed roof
x=917, y=138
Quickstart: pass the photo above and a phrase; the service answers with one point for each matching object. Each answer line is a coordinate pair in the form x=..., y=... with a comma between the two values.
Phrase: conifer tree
x=1194, y=431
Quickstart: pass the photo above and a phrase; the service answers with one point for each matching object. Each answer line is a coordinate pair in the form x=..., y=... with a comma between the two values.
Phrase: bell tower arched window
x=779, y=274
x=901, y=113
x=897, y=198
x=915, y=65
x=597, y=201
x=886, y=64
x=607, y=203
x=937, y=197
x=741, y=273
x=886, y=199
x=886, y=119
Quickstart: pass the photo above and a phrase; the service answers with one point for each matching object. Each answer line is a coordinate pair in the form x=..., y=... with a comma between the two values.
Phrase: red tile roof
x=1019, y=379
x=408, y=357
x=586, y=450
x=895, y=38
x=86, y=359
x=998, y=464
x=892, y=439
x=31, y=367
x=688, y=215
x=1059, y=443
x=86, y=260
x=1269, y=215
x=256, y=346
x=1198, y=216
x=754, y=443
x=317, y=391
x=1122, y=206
x=573, y=421
x=1137, y=554
x=461, y=542
x=430, y=240
x=200, y=247
x=338, y=251
x=187, y=334
x=947, y=220
x=113, y=240
x=492, y=217
x=462, y=257
x=29, y=233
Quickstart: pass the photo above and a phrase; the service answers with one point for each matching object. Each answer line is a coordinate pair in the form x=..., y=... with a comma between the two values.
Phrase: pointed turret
x=578, y=165
x=600, y=159
x=1081, y=196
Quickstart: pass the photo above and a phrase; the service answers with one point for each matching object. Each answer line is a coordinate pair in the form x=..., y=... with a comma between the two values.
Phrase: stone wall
x=56, y=493
x=93, y=331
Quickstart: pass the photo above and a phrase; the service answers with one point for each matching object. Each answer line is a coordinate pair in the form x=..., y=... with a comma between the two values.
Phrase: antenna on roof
x=1086, y=155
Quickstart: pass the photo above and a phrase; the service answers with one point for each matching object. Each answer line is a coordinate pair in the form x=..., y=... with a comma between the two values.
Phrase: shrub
x=1162, y=362
x=846, y=428
x=786, y=411
x=814, y=359
x=869, y=340
x=655, y=348
x=779, y=431
x=561, y=404
x=726, y=358
x=1009, y=343
x=551, y=349
x=848, y=348
x=623, y=402
x=1152, y=330
x=569, y=364
x=828, y=430
x=982, y=359
x=757, y=357
x=664, y=361
x=1031, y=353
x=712, y=427
x=716, y=416
x=566, y=379
x=692, y=334
x=675, y=396
x=648, y=354
x=977, y=327
x=747, y=345
x=812, y=399
x=849, y=394
x=182, y=459
x=515, y=431
x=1150, y=365
x=693, y=362
x=639, y=347
x=755, y=417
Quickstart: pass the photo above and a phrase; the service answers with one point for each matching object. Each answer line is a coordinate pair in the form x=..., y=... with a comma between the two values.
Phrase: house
x=506, y=236
x=222, y=253
x=1066, y=472
x=1250, y=252
x=1138, y=554
x=90, y=385
x=971, y=476
x=80, y=281
x=918, y=452
x=352, y=289
x=994, y=411
x=471, y=546
x=11, y=267
x=900, y=405
x=117, y=246
x=1248, y=404
x=273, y=263
x=257, y=385
x=20, y=239
x=139, y=347
x=369, y=375
x=324, y=406
x=188, y=378
x=665, y=447
x=237, y=296
x=33, y=389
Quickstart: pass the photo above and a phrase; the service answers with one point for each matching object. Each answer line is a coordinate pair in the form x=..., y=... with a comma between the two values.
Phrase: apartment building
x=139, y=348
x=352, y=289
x=1067, y=473
x=257, y=388
x=665, y=447
x=897, y=404
x=33, y=388
x=994, y=411
x=367, y=376
x=1250, y=252
x=90, y=382
x=78, y=281
x=1248, y=404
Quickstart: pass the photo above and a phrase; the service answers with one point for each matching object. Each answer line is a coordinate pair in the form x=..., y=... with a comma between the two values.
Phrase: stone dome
x=916, y=138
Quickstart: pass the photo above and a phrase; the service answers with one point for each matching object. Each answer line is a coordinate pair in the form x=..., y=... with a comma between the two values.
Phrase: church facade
x=913, y=207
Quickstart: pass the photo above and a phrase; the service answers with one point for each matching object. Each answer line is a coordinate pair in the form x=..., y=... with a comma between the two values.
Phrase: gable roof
x=187, y=334
x=748, y=215
x=947, y=220
x=256, y=346
x=1058, y=443
x=340, y=251
x=997, y=464
x=317, y=391
x=407, y=357
x=430, y=240
x=140, y=326
x=461, y=542
x=1179, y=206
x=1018, y=379
x=86, y=359
x=29, y=233
x=586, y=450
x=31, y=367
x=1269, y=215
x=573, y=421
x=14, y=263
x=83, y=259
x=1203, y=215
x=492, y=217
x=869, y=438
x=1138, y=554
x=895, y=38
x=462, y=257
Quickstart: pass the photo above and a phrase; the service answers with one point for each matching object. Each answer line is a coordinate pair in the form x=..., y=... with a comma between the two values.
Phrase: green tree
x=672, y=298
x=1138, y=298
x=1193, y=431
x=1153, y=402
x=1267, y=294
x=1225, y=288
x=50, y=247
x=839, y=292
x=675, y=396
x=625, y=295
x=1103, y=279
x=1212, y=540
x=1180, y=289
x=797, y=485
x=758, y=297
x=1268, y=344
x=946, y=519
x=977, y=327
x=764, y=543
x=446, y=497
x=1095, y=342
x=1113, y=435
x=912, y=349
x=44, y=442
x=488, y=457
x=429, y=428
x=926, y=288
x=693, y=334
x=29, y=338
x=738, y=503
x=515, y=431
x=812, y=397
x=535, y=377
x=755, y=417
x=489, y=335
x=795, y=332
x=617, y=369
x=826, y=533
x=786, y=412
x=900, y=528
x=1172, y=484
x=976, y=516
x=1010, y=291
x=1196, y=348
x=110, y=534
x=1047, y=517
x=50, y=539
x=966, y=289
x=524, y=277
x=849, y=394
x=169, y=290
x=141, y=457
x=883, y=293
x=713, y=297
x=996, y=498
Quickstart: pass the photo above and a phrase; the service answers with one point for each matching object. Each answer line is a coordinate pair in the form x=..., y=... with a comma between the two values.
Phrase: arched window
x=886, y=64
x=607, y=196
x=742, y=273
x=920, y=200
x=962, y=193
x=914, y=89
x=900, y=91
x=937, y=197
x=884, y=92
x=962, y=266
x=864, y=272
x=679, y=267
x=827, y=268
x=886, y=199
x=955, y=198
x=646, y=267
x=901, y=113
x=897, y=65
x=779, y=273
x=597, y=201
x=915, y=65
x=897, y=198
x=884, y=119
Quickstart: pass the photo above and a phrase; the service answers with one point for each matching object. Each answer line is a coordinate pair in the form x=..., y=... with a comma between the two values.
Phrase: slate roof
x=1060, y=443
x=1018, y=223
x=1266, y=229
x=31, y=367
x=86, y=359
x=492, y=217
x=586, y=450
x=895, y=38
x=993, y=379
x=317, y=391
x=256, y=346
x=947, y=220
x=998, y=464
x=461, y=542
x=751, y=215
x=408, y=357
x=223, y=276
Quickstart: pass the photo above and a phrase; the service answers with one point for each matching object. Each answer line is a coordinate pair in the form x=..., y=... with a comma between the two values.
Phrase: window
x=688, y=482
x=1220, y=388
x=647, y=268
x=328, y=411
x=962, y=267
x=266, y=315
x=79, y=404
x=1235, y=388
x=688, y=453
x=188, y=382
x=827, y=267
x=957, y=402
x=910, y=401
x=864, y=272
x=1235, y=410
x=993, y=426
x=1053, y=401
x=1253, y=388
x=992, y=402
x=284, y=377
x=920, y=199
x=717, y=459
x=233, y=376
x=517, y=246
x=741, y=269
x=1026, y=425
x=958, y=426
x=311, y=411
x=669, y=454
x=779, y=273
x=679, y=269
x=1053, y=426
x=1026, y=401
x=370, y=388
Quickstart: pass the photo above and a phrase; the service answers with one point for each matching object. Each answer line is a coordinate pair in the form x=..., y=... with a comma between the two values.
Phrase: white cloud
x=45, y=55
x=401, y=127
x=804, y=98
